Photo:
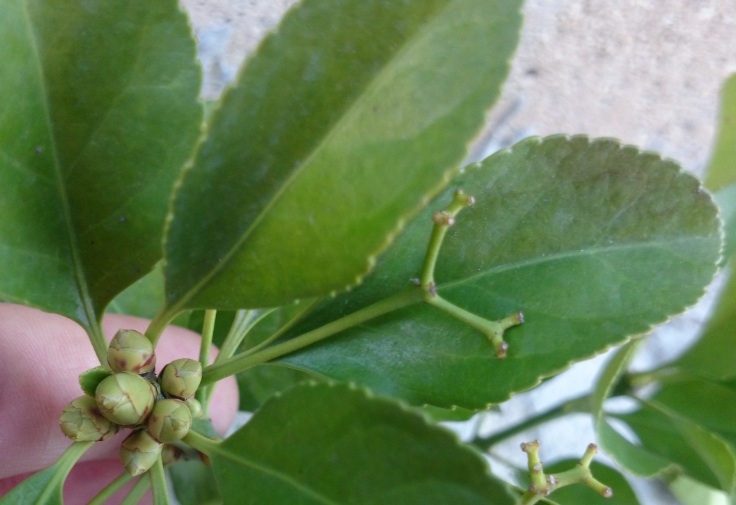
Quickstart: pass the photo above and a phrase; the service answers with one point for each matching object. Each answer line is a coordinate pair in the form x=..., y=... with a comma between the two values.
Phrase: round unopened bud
x=131, y=351
x=125, y=398
x=195, y=407
x=181, y=378
x=82, y=422
x=139, y=452
x=169, y=421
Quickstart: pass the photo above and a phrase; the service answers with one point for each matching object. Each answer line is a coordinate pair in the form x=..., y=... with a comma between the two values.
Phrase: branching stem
x=442, y=221
x=543, y=485
x=493, y=330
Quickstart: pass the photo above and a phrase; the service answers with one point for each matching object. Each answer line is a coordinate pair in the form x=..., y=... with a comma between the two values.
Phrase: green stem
x=111, y=488
x=442, y=221
x=493, y=330
x=244, y=320
x=576, y=405
x=281, y=331
x=203, y=444
x=98, y=341
x=208, y=329
x=62, y=467
x=158, y=483
x=241, y=362
x=136, y=492
x=159, y=324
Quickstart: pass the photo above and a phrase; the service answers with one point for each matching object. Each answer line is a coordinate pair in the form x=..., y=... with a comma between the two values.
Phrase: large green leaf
x=333, y=444
x=98, y=112
x=722, y=168
x=593, y=241
x=344, y=122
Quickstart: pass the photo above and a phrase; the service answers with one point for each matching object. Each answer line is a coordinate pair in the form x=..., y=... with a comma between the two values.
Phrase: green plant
x=319, y=223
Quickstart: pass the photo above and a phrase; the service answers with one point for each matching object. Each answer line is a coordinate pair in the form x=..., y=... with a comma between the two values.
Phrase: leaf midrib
x=548, y=258
x=320, y=142
x=78, y=273
x=241, y=460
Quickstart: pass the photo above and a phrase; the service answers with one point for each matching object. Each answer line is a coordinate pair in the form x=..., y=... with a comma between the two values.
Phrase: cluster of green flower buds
x=129, y=394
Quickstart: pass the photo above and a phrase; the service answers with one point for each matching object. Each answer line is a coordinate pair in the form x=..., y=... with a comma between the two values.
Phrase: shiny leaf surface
x=330, y=444
x=346, y=120
x=592, y=240
x=98, y=114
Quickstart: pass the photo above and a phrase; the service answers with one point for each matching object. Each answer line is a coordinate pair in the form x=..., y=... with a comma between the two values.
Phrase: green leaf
x=90, y=379
x=331, y=444
x=102, y=115
x=630, y=455
x=576, y=494
x=592, y=240
x=259, y=383
x=692, y=492
x=45, y=487
x=143, y=298
x=722, y=168
x=194, y=483
x=701, y=454
x=714, y=354
x=705, y=403
x=346, y=120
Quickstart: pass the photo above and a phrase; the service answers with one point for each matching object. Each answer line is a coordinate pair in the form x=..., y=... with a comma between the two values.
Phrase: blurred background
x=647, y=72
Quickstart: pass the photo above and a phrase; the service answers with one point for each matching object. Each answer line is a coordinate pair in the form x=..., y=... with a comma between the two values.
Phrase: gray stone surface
x=645, y=71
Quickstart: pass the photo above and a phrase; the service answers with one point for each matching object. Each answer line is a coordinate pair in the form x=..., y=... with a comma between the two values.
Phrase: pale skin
x=41, y=357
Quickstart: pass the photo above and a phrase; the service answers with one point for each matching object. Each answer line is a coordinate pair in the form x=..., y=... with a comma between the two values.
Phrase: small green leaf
x=331, y=444
x=347, y=119
x=722, y=168
x=102, y=115
x=592, y=240
x=90, y=379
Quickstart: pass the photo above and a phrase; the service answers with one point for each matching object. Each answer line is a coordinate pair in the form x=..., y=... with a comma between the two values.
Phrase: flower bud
x=139, y=452
x=195, y=407
x=169, y=421
x=181, y=378
x=82, y=422
x=125, y=398
x=131, y=351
